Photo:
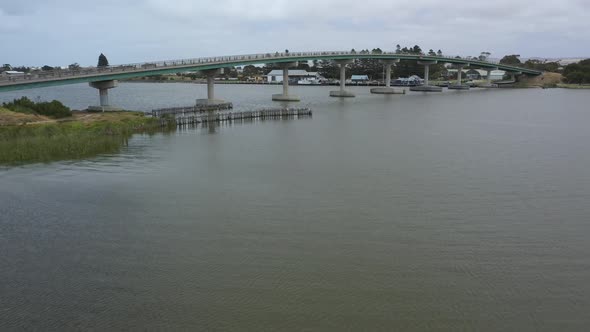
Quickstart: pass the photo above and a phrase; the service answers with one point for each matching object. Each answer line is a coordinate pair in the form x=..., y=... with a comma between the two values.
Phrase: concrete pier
x=342, y=92
x=489, y=78
x=388, y=90
x=426, y=87
x=103, y=90
x=211, y=74
x=513, y=75
x=285, y=96
x=459, y=85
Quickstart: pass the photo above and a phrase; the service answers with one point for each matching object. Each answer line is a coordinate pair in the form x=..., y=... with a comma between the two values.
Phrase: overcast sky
x=61, y=32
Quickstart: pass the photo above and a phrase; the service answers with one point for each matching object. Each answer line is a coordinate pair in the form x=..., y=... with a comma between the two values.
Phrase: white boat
x=308, y=82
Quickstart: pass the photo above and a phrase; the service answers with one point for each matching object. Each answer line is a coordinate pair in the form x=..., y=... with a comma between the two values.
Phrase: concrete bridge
x=105, y=78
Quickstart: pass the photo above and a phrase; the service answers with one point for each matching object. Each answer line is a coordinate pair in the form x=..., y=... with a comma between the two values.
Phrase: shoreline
x=84, y=135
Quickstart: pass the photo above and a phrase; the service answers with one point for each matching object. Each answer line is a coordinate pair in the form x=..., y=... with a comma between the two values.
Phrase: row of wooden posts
x=192, y=118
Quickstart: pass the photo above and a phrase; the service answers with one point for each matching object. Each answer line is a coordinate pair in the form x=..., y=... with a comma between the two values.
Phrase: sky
x=61, y=32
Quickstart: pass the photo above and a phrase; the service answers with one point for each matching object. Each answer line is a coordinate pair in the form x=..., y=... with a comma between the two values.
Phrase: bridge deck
x=119, y=72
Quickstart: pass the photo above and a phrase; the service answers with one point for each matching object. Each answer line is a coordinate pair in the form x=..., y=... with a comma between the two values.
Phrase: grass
x=84, y=135
x=573, y=86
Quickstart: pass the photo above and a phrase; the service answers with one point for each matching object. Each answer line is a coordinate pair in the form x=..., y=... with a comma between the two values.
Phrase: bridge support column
x=103, y=90
x=459, y=85
x=211, y=74
x=342, y=92
x=489, y=77
x=285, y=96
x=426, y=87
x=387, y=90
x=513, y=75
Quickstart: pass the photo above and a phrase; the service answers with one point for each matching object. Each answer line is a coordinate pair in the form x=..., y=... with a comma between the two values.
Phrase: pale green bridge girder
x=121, y=72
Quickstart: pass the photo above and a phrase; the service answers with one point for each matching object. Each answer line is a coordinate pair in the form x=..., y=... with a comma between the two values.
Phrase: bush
x=54, y=109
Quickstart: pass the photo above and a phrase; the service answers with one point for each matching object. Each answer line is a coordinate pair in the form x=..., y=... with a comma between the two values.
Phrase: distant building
x=12, y=73
x=295, y=75
x=359, y=78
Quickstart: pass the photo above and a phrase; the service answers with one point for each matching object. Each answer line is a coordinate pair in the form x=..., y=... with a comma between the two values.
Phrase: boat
x=308, y=82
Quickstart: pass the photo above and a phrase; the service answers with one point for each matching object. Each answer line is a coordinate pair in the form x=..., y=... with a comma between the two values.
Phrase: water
x=454, y=211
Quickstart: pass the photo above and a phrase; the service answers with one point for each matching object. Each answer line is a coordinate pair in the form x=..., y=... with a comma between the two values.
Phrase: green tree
x=483, y=56
x=542, y=65
x=576, y=77
x=251, y=70
x=46, y=68
x=512, y=59
x=431, y=52
x=74, y=66
x=102, y=61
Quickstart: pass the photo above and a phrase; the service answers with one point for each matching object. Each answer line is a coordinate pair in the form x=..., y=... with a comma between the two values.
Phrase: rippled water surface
x=453, y=211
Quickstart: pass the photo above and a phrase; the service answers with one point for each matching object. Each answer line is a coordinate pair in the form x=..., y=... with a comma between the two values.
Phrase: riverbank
x=32, y=138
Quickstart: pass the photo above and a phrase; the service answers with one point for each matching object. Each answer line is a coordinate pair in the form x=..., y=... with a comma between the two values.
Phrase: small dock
x=194, y=118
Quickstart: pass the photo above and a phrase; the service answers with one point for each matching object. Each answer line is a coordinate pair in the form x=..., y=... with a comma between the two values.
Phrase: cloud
x=60, y=32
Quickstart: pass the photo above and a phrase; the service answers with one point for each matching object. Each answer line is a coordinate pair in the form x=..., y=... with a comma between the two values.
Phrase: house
x=12, y=73
x=295, y=75
x=359, y=78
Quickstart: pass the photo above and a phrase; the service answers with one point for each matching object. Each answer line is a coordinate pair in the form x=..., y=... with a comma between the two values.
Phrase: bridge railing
x=57, y=74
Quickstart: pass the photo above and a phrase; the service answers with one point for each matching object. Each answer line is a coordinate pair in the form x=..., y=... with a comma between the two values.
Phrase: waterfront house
x=295, y=75
x=355, y=79
x=12, y=73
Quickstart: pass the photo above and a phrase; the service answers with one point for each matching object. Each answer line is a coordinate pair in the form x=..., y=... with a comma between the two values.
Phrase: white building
x=12, y=73
x=295, y=75
x=359, y=78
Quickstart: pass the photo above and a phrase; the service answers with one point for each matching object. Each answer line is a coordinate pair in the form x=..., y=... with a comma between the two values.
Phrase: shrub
x=54, y=109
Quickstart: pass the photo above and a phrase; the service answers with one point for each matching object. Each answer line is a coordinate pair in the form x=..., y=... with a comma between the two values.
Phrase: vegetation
x=53, y=109
x=511, y=60
x=86, y=136
x=542, y=65
x=102, y=61
x=577, y=73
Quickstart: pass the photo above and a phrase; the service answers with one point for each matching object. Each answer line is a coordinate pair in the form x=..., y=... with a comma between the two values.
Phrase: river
x=463, y=210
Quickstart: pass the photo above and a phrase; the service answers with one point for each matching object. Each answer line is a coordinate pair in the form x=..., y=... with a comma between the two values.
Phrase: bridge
x=105, y=78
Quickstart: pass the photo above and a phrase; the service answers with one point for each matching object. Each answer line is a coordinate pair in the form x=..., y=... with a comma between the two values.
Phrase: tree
x=102, y=61
x=542, y=65
x=576, y=77
x=6, y=66
x=74, y=66
x=398, y=49
x=577, y=73
x=352, y=51
x=250, y=70
x=46, y=68
x=431, y=52
x=512, y=59
x=483, y=56
x=439, y=53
